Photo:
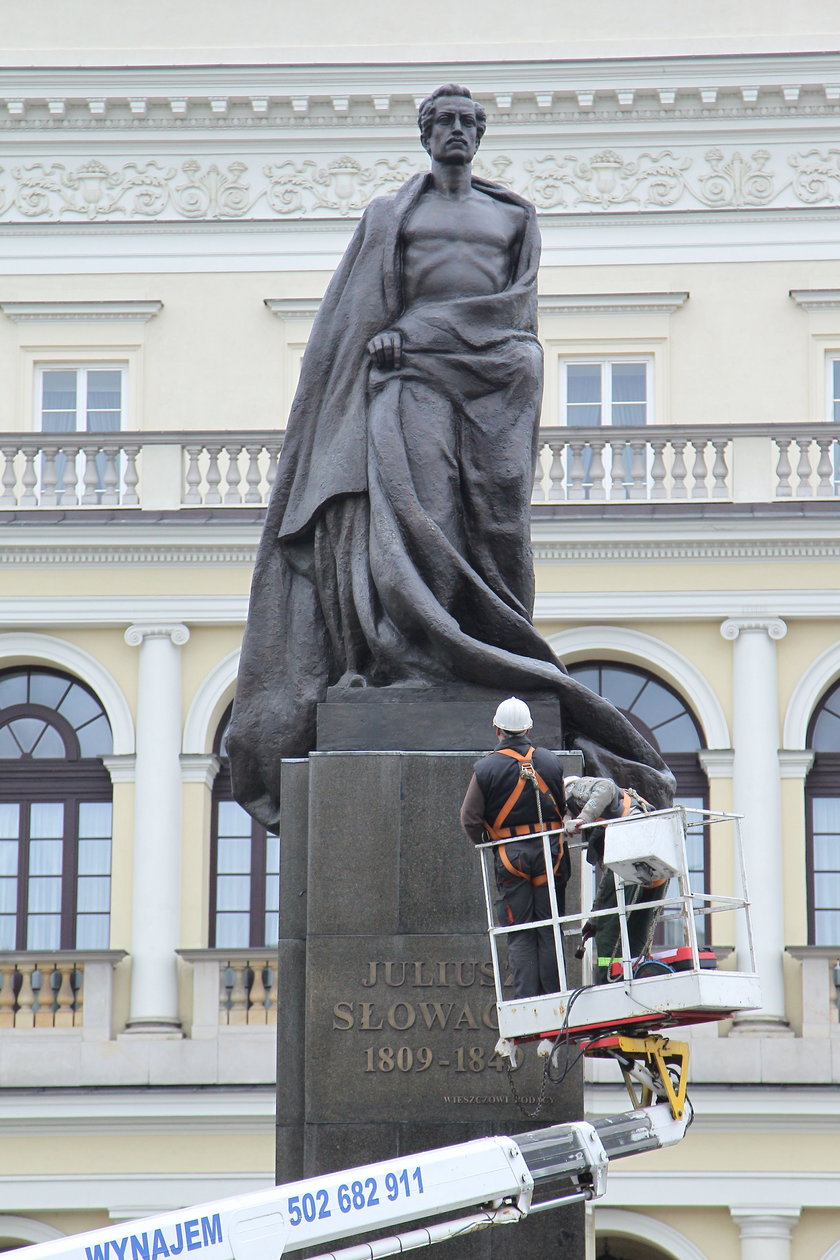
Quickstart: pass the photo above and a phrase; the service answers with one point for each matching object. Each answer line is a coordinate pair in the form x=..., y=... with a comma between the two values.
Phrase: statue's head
x=440, y=104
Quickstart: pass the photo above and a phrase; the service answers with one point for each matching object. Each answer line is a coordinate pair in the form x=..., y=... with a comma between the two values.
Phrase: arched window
x=669, y=726
x=244, y=868
x=55, y=813
x=822, y=803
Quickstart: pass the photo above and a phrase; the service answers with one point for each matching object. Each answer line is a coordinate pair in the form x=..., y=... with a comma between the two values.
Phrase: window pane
x=827, y=927
x=272, y=854
x=629, y=414
x=12, y=690
x=93, y=895
x=8, y=931
x=233, y=892
x=835, y=392
x=78, y=707
x=50, y=745
x=9, y=747
x=234, y=855
x=232, y=931
x=45, y=857
x=95, y=819
x=628, y=382
x=656, y=705
x=92, y=931
x=233, y=820
x=272, y=893
x=27, y=730
x=46, y=689
x=95, y=739
x=583, y=382
x=621, y=687
x=827, y=814
x=94, y=857
x=58, y=402
x=104, y=401
x=9, y=820
x=827, y=891
x=8, y=857
x=677, y=735
x=43, y=932
x=8, y=896
x=272, y=930
x=826, y=736
x=44, y=896
x=46, y=819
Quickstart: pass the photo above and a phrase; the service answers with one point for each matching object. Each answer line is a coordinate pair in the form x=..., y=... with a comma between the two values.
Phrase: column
x=757, y=795
x=765, y=1235
x=156, y=886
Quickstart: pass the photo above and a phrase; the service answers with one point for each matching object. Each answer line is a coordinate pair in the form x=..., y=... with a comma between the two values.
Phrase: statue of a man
x=396, y=549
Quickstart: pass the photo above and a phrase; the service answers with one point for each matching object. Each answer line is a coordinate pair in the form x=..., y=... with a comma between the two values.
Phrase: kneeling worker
x=590, y=800
x=515, y=790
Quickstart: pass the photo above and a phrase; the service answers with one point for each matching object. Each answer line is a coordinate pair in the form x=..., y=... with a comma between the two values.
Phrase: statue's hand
x=386, y=350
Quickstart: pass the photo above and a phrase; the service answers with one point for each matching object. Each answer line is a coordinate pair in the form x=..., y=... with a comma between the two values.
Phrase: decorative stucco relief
x=604, y=181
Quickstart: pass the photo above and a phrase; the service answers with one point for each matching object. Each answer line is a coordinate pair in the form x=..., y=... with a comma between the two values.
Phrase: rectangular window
x=81, y=399
x=599, y=392
x=826, y=869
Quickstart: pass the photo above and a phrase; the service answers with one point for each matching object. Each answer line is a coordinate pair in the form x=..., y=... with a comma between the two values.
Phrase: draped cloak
x=396, y=544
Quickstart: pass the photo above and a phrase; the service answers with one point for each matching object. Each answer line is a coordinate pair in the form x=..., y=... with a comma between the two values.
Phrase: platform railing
x=610, y=465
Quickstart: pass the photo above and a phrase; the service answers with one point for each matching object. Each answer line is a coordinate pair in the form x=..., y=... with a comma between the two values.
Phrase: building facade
x=173, y=200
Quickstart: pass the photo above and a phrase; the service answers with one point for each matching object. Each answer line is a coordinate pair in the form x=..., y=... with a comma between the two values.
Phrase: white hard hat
x=513, y=715
x=570, y=778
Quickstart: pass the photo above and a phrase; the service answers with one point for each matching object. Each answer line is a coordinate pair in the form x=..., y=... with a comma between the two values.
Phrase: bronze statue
x=396, y=549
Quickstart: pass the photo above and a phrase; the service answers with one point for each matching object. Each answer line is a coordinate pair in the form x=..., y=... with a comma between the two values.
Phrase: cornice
x=611, y=303
x=815, y=300
x=130, y=311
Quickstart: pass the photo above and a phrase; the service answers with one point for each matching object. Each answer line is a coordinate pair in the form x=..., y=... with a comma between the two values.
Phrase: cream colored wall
x=123, y=1153
x=321, y=31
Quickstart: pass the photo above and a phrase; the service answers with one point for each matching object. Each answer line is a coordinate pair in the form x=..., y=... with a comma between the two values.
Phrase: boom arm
x=494, y=1177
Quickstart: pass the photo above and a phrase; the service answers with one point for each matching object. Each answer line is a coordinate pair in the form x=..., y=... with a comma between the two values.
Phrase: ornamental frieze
x=603, y=181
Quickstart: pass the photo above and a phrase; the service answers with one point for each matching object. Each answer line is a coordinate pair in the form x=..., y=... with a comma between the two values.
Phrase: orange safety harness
x=497, y=831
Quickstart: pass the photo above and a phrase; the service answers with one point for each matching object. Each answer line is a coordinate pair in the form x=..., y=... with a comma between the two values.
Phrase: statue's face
x=453, y=136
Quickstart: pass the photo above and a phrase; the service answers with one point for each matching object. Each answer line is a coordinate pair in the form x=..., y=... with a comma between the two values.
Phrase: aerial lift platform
x=678, y=985
x=458, y=1190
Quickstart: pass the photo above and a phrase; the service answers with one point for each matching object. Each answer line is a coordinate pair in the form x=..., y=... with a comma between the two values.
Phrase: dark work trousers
x=532, y=957
x=639, y=923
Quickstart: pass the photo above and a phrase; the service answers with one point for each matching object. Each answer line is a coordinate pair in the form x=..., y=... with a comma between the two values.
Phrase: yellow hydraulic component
x=655, y=1063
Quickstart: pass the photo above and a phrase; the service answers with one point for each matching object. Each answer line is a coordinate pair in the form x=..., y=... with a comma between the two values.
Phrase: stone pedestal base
x=387, y=1020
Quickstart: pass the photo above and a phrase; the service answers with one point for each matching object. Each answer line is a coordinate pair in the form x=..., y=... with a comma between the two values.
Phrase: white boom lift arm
x=490, y=1181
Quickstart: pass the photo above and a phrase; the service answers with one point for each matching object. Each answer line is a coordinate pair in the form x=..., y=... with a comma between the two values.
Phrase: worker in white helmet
x=516, y=790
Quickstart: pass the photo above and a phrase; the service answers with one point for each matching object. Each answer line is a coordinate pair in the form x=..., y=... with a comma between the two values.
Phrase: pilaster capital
x=757, y=1222
x=718, y=763
x=122, y=767
x=794, y=763
x=199, y=768
x=773, y=627
x=177, y=633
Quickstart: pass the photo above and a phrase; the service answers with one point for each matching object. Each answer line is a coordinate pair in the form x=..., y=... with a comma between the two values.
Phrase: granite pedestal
x=387, y=1024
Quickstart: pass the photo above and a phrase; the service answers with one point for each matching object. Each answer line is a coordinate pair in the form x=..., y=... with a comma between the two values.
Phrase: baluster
x=42, y=989
x=29, y=477
x=638, y=469
x=110, y=475
x=576, y=487
x=77, y=988
x=64, y=997
x=232, y=495
x=274, y=449
x=270, y=978
x=214, y=475
x=91, y=475
x=825, y=469
x=25, y=1017
x=556, y=471
x=537, y=485
x=596, y=471
x=783, y=488
x=7, y=995
x=657, y=471
x=238, y=1012
x=698, y=472
x=618, y=490
x=256, y=1010
x=678, y=470
x=67, y=494
x=8, y=498
x=130, y=477
x=804, y=490
x=193, y=475
x=48, y=475
x=252, y=475
x=720, y=471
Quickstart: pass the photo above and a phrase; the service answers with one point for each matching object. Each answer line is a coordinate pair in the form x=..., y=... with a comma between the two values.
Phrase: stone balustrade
x=657, y=464
x=58, y=990
x=232, y=988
